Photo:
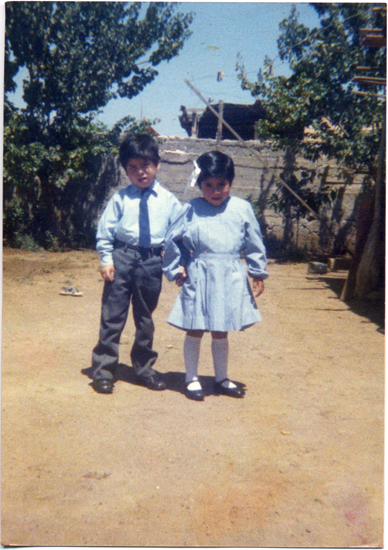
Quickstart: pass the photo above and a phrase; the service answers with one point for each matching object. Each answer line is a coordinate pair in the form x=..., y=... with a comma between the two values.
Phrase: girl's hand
x=108, y=272
x=182, y=276
x=258, y=287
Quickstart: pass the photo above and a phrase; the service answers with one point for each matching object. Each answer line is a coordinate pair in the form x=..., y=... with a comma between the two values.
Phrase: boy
x=130, y=238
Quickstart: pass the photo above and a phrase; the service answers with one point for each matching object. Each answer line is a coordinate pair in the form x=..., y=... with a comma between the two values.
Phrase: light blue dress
x=216, y=296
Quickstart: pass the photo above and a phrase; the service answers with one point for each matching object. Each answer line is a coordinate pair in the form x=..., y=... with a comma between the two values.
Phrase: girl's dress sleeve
x=254, y=251
x=175, y=252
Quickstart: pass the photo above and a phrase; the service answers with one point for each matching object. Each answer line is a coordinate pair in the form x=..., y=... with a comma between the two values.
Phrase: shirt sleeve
x=106, y=229
x=175, y=252
x=176, y=209
x=254, y=251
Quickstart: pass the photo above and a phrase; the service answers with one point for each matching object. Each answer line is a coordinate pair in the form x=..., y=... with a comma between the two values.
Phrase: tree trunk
x=50, y=209
x=367, y=271
x=370, y=274
x=364, y=220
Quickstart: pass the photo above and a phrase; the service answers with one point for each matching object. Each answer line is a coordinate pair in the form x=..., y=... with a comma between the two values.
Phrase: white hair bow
x=193, y=176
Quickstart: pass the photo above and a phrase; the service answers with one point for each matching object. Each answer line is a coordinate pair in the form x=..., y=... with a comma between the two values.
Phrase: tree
x=78, y=56
x=319, y=95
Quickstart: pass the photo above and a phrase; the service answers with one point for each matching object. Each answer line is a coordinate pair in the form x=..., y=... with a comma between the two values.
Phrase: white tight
x=220, y=351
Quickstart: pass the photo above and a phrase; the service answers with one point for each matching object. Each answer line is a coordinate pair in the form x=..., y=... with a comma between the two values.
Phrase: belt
x=143, y=251
x=216, y=255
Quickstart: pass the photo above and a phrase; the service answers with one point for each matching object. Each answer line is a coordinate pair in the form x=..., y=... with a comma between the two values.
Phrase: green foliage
x=49, y=183
x=315, y=112
x=78, y=56
x=285, y=203
x=26, y=242
x=318, y=94
x=282, y=201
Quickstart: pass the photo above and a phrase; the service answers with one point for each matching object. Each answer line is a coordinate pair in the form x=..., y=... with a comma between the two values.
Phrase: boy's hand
x=108, y=272
x=181, y=277
x=258, y=287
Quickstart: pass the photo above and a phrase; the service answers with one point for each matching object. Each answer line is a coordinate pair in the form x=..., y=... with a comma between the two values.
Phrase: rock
x=317, y=267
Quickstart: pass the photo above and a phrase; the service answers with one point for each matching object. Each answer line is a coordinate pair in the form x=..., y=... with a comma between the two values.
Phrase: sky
x=220, y=32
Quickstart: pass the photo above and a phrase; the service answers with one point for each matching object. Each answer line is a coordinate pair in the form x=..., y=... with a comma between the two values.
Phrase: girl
x=209, y=236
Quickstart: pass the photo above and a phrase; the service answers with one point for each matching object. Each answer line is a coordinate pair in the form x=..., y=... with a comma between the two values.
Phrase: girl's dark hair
x=138, y=146
x=215, y=165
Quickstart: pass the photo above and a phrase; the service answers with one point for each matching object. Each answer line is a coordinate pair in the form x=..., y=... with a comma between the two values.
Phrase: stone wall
x=257, y=179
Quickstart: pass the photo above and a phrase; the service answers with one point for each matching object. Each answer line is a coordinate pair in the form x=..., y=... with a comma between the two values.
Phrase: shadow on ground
x=374, y=311
x=175, y=381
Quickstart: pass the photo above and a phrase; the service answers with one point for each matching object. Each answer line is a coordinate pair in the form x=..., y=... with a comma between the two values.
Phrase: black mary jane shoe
x=104, y=385
x=195, y=395
x=219, y=389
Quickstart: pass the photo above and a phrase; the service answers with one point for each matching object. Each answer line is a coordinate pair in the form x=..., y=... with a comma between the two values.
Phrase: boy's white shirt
x=120, y=219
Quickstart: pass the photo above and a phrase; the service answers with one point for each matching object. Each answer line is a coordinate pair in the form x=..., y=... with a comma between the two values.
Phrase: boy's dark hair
x=215, y=165
x=141, y=146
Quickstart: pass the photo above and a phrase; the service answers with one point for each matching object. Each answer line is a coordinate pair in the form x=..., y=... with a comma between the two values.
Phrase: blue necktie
x=144, y=220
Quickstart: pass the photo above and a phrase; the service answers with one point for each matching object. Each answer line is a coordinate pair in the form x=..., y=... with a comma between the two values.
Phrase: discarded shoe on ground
x=70, y=291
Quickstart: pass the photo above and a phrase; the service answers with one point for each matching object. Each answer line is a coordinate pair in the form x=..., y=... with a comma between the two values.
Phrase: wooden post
x=194, y=124
x=219, y=124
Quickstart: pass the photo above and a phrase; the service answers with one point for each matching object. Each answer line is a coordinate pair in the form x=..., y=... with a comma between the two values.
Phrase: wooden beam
x=370, y=80
x=365, y=69
x=366, y=30
x=219, y=125
x=366, y=93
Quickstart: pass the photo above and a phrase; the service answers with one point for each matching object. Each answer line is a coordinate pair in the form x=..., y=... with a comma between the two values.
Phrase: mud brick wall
x=257, y=178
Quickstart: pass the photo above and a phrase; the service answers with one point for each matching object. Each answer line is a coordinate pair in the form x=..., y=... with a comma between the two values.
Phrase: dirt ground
x=297, y=463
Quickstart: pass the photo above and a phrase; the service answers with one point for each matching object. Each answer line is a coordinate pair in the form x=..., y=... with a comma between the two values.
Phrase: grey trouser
x=138, y=276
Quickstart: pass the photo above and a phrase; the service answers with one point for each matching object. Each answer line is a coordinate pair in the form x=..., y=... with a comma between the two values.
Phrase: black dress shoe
x=104, y=385
x=219, y=389
x=153, y=382
x=195, y=395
